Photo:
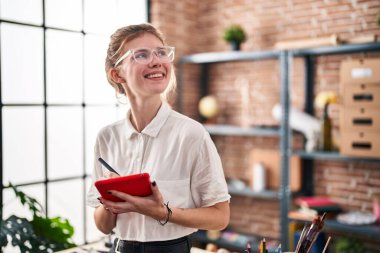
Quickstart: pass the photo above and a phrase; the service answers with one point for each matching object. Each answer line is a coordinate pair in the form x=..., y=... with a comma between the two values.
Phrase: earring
x=121, y=89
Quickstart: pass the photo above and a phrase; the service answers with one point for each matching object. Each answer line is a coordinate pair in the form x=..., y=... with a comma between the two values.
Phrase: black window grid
x=83, y=105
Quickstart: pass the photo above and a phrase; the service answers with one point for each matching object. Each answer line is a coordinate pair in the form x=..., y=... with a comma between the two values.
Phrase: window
x=55, y=97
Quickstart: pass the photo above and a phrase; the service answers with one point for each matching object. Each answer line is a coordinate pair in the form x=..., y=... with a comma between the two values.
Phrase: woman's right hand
x=108, y=174
x=152, y=205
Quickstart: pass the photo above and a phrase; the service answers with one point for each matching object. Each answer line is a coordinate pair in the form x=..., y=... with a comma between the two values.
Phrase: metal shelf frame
x=229, y=130
x=285, y=65
x=336, y=156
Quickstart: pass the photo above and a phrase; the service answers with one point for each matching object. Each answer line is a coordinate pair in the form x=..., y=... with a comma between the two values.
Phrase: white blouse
x=179, y=155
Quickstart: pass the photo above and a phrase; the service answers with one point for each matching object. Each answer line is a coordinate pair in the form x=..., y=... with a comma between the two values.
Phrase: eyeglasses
x=145, y=55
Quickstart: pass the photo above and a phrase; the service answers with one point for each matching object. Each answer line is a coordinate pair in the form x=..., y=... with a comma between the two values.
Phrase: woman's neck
x=143, y=112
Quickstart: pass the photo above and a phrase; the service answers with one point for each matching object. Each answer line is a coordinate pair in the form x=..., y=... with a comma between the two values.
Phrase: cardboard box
x=363, y=95
x=270, y=159
x=356, y=72
x=360, y=143
x=360, y=119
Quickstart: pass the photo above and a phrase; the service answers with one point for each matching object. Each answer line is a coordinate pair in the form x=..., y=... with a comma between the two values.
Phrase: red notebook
x=136, y=185
x=314, y=201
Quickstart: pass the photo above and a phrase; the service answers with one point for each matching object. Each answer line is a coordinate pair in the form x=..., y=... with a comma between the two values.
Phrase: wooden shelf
x=230, y=130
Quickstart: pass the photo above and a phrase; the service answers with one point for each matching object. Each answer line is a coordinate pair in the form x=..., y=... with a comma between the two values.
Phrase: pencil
x=108, y=167
x=264, y=246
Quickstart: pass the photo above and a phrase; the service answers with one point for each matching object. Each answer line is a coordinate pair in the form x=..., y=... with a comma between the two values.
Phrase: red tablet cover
x=136, y=185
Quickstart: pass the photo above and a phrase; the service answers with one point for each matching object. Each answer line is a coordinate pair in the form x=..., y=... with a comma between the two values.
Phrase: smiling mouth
x=155, y=75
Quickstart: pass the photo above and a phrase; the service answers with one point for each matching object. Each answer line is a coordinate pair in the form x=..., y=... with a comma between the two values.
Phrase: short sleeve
x=208, y=184
x=93, y=193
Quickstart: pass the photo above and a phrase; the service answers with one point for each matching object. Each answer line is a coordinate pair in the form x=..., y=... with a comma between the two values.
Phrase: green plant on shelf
x=235, y=35
x=40, y=234
x=348, y=245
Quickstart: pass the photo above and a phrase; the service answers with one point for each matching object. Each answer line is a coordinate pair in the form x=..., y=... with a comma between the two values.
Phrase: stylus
x=108, y=167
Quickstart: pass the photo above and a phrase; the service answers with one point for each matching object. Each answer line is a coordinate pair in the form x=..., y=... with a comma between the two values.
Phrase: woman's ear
x=114, y=73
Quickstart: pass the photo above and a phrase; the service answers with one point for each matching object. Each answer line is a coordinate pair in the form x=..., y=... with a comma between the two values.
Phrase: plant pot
x=235, y=46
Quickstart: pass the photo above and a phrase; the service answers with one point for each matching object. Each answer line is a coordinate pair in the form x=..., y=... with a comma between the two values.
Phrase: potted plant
x=348, y=245
x=41, y=234
x=235, y=35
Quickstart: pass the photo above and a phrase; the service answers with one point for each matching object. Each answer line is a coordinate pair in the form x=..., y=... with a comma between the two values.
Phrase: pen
x=248, y=248
x=108, y=167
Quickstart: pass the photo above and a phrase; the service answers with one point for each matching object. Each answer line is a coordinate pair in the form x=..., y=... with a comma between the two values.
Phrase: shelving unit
x=284, y=58
x=204, y=59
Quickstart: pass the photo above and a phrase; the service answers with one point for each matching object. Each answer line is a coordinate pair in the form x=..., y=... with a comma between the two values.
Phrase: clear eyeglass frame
x=145, y=55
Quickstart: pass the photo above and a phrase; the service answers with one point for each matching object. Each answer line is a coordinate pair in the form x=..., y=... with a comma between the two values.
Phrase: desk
x=95, y=247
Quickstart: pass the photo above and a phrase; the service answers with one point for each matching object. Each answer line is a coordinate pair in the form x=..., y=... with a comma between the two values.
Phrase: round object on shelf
x=356, y=218
x=208, y=106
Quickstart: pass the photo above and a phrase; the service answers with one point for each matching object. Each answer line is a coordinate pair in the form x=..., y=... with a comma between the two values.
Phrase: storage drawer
x=360, y=143
x=360, y=71
x=360, y=119
x=364, y=95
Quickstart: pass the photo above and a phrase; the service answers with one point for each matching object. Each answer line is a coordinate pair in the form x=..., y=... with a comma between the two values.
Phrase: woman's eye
x=142, y=55
x=162, y=53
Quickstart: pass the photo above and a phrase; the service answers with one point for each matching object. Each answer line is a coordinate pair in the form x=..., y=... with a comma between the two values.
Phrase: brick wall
x=197, y=26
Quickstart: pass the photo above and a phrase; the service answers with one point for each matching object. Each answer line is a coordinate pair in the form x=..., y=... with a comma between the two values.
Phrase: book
x=318, y=203
x=315, y=201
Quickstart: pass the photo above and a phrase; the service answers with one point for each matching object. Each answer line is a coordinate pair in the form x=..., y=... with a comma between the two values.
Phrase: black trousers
x=180, y=245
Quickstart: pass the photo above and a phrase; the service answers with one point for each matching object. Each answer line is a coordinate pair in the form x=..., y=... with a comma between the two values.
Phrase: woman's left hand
x=152, y=205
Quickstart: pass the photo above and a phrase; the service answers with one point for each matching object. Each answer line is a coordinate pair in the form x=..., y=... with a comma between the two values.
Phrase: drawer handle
x=361, y=145
x=363, y=97
x=362, y=122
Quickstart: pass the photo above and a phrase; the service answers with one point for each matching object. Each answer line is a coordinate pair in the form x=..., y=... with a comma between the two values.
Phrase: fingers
x=121, y=195
x=156, y=192
x=117, y=207
x=150, y=205
x=109, y=174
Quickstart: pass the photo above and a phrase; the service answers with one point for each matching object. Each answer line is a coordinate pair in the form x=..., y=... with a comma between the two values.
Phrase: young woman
x=188, y=184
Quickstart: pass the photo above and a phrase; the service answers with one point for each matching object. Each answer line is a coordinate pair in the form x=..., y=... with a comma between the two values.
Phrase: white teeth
x=154, y=75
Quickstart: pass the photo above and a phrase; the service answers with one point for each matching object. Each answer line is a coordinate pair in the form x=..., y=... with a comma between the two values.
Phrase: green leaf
x=21, y=233
x=32, y=203
x=42, y=234
x=348, y=245
x=55, y=229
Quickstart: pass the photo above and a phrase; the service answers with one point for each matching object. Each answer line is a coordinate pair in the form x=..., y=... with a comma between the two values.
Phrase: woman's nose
x=155, y=60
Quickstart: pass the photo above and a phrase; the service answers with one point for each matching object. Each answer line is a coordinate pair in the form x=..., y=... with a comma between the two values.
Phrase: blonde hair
x=119, y=40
